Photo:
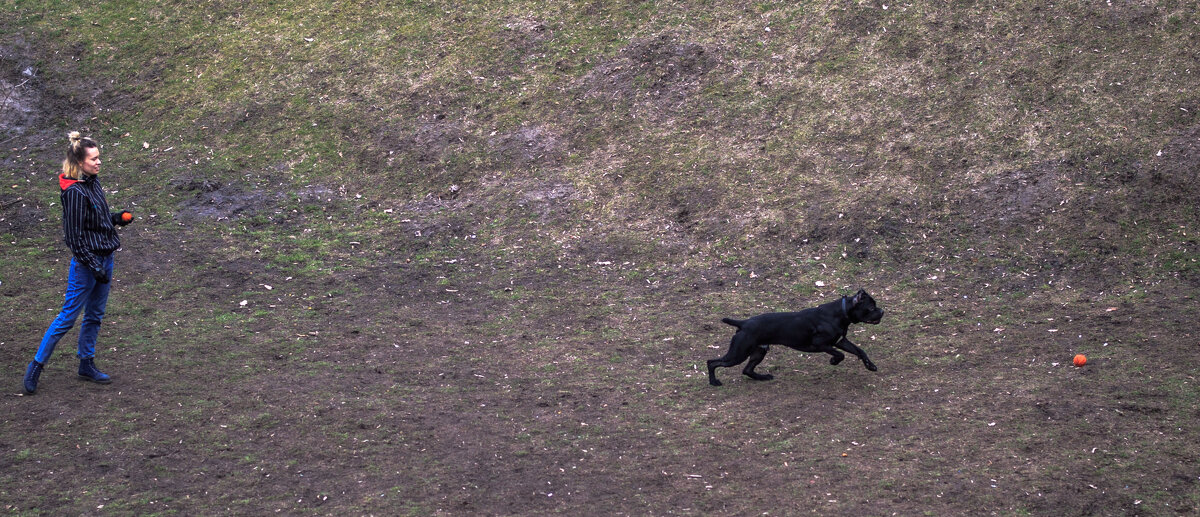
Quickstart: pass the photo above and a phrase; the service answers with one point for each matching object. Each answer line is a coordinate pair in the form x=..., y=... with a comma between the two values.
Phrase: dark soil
x=520, y=345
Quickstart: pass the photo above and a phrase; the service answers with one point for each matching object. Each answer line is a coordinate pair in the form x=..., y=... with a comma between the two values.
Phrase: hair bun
x=74, y=136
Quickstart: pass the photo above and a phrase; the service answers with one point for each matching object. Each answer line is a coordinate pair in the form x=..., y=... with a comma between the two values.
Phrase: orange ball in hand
x=1080, y=360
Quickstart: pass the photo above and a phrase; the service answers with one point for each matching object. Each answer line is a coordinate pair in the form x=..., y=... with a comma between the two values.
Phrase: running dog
x=819, y=329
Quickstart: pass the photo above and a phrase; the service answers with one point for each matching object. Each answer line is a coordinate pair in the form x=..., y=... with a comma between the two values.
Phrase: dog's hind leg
x=756, y=356
x=846, y=345
x=739, y=349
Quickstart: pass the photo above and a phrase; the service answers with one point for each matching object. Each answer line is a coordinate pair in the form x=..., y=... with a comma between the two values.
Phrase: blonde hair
x=76, y=152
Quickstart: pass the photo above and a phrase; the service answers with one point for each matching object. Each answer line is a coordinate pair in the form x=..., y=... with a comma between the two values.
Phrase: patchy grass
x=429, y=258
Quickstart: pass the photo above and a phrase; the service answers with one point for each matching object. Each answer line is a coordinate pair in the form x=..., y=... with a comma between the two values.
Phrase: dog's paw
x=870, y=366
x=714, y=382
x=836, y=359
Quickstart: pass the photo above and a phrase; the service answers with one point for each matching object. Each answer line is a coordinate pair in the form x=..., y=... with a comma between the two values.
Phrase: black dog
x=819, y=329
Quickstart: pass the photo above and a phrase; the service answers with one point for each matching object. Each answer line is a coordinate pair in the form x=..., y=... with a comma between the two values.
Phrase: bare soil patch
x=531, y=341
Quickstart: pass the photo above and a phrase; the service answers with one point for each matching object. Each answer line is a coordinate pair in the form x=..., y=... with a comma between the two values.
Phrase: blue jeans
x=84, y=295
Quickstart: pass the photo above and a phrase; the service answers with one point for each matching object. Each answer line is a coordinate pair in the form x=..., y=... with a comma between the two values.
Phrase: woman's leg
x=79, y=285
x=93, y=313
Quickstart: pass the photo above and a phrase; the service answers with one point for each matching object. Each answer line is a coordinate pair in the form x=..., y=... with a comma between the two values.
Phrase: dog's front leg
x=835, y=356
x=846, y=345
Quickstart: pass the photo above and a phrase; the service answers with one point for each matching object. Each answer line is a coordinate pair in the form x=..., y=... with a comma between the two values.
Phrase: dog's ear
x=859, y=296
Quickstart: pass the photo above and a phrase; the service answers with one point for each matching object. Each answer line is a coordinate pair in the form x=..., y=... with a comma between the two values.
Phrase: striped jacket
x=89, y=229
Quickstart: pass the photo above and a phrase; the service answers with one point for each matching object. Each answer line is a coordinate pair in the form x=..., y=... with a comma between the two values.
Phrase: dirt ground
x=501, y=349
x=571, y=381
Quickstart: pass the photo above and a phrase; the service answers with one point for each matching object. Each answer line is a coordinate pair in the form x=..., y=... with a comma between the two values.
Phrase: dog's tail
x=731, y=321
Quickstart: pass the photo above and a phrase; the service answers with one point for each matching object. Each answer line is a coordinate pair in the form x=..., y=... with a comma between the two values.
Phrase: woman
x=89, y=229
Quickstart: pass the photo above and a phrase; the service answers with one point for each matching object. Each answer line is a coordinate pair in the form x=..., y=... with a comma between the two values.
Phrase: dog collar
x=845, y=312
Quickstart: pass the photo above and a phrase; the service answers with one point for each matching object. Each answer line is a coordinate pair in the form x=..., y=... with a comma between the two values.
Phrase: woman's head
x=83, y=156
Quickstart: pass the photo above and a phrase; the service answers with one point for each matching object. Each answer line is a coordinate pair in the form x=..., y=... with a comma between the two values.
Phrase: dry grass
x=499, y=239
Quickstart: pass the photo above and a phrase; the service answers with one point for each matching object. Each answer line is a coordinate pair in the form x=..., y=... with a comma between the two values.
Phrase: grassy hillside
x=429, y=258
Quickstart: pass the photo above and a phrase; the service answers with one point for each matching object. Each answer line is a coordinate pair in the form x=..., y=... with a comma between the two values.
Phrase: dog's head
x=862, y=309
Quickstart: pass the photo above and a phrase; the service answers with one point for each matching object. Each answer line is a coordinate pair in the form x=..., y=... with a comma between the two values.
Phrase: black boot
x=88, y=372
x=32, y=372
